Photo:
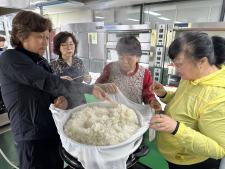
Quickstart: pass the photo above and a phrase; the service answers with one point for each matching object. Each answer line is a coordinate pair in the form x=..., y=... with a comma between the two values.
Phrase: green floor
x=153, y=159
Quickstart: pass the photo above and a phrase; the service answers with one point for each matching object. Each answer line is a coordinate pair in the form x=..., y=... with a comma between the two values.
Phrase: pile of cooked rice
x=102, y=126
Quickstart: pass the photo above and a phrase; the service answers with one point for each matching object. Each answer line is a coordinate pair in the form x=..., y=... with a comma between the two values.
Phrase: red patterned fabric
x=134, y=86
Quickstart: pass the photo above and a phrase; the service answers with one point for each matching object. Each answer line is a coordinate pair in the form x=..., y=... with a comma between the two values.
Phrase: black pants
x=208, y=164
x=39, y=154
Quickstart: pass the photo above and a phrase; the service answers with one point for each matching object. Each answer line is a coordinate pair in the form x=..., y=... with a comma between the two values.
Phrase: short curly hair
x=60, y=38
x=129, y=45
x=26, y=22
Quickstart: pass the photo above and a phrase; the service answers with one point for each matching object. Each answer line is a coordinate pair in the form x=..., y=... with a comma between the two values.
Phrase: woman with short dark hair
x=62, y=37
x=29, y=87
x=68, y=64
x=191, y=132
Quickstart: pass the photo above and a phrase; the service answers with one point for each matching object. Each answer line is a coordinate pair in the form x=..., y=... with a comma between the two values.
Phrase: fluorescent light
x=178, y=22
x=131, y=19
x=164, y=18
x=99, y=17
x=152, y=13
x=38, y=2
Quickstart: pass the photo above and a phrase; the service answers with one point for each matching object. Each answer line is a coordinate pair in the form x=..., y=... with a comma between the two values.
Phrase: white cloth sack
x=103, y=157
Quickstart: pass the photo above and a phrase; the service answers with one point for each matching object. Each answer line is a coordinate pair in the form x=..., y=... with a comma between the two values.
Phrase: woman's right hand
x=161, y=122
x=99, y=93
x=158, y=89
x=61, y=103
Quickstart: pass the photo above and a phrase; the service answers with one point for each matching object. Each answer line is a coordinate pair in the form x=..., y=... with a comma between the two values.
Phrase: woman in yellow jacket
x=192, y=130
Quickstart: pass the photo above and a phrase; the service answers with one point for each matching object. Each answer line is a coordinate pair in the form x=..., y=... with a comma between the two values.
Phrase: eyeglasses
x=65, y=45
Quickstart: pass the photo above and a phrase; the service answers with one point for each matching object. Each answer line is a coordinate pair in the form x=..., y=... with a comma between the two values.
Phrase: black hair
x=198, y=45
x=61, y=37
x=129, y=45
x=219, y=50
x=2, y=39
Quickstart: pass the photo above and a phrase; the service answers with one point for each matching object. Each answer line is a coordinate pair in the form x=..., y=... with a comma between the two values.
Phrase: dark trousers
x=208, y=164
x=39, y=154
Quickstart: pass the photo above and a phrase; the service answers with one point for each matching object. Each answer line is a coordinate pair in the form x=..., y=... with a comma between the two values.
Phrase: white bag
x=103, y=157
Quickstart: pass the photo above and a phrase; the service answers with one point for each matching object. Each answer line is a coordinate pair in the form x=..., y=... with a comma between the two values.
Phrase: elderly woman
x=68, y=65
x=29, y=87
x=132, y=79
x=191, y=132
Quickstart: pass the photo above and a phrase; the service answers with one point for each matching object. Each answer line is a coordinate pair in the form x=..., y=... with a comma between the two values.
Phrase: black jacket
x=28, y=88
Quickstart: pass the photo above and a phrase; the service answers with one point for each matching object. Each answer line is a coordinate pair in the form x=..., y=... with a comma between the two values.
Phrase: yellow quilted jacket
x=199, y=106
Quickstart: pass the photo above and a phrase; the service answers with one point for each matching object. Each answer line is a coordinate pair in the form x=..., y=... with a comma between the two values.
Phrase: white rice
x=102, y=126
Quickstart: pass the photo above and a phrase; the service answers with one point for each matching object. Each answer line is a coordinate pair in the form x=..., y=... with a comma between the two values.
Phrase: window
x=123, y=15
x=182, y=12
x=127, y=15
x=106, y=16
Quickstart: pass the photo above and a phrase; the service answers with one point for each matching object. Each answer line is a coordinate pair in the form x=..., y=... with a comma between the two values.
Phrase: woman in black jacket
x=29, y=87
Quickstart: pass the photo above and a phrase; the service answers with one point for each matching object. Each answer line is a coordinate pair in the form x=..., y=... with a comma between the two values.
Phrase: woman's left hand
x=162, y=122
x=155, y=105
x=61, y=103
x=87, y=79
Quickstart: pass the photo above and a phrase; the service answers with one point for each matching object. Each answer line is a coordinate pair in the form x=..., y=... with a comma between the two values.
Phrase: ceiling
x=101, y=4
x=5, y=11
x=96, y=3
x=59, y=6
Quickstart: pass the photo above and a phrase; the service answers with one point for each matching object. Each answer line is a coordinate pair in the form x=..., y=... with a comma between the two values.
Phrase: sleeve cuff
x=180, y=130
x=161, y=97
x=167, y=96
x=176, y=129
